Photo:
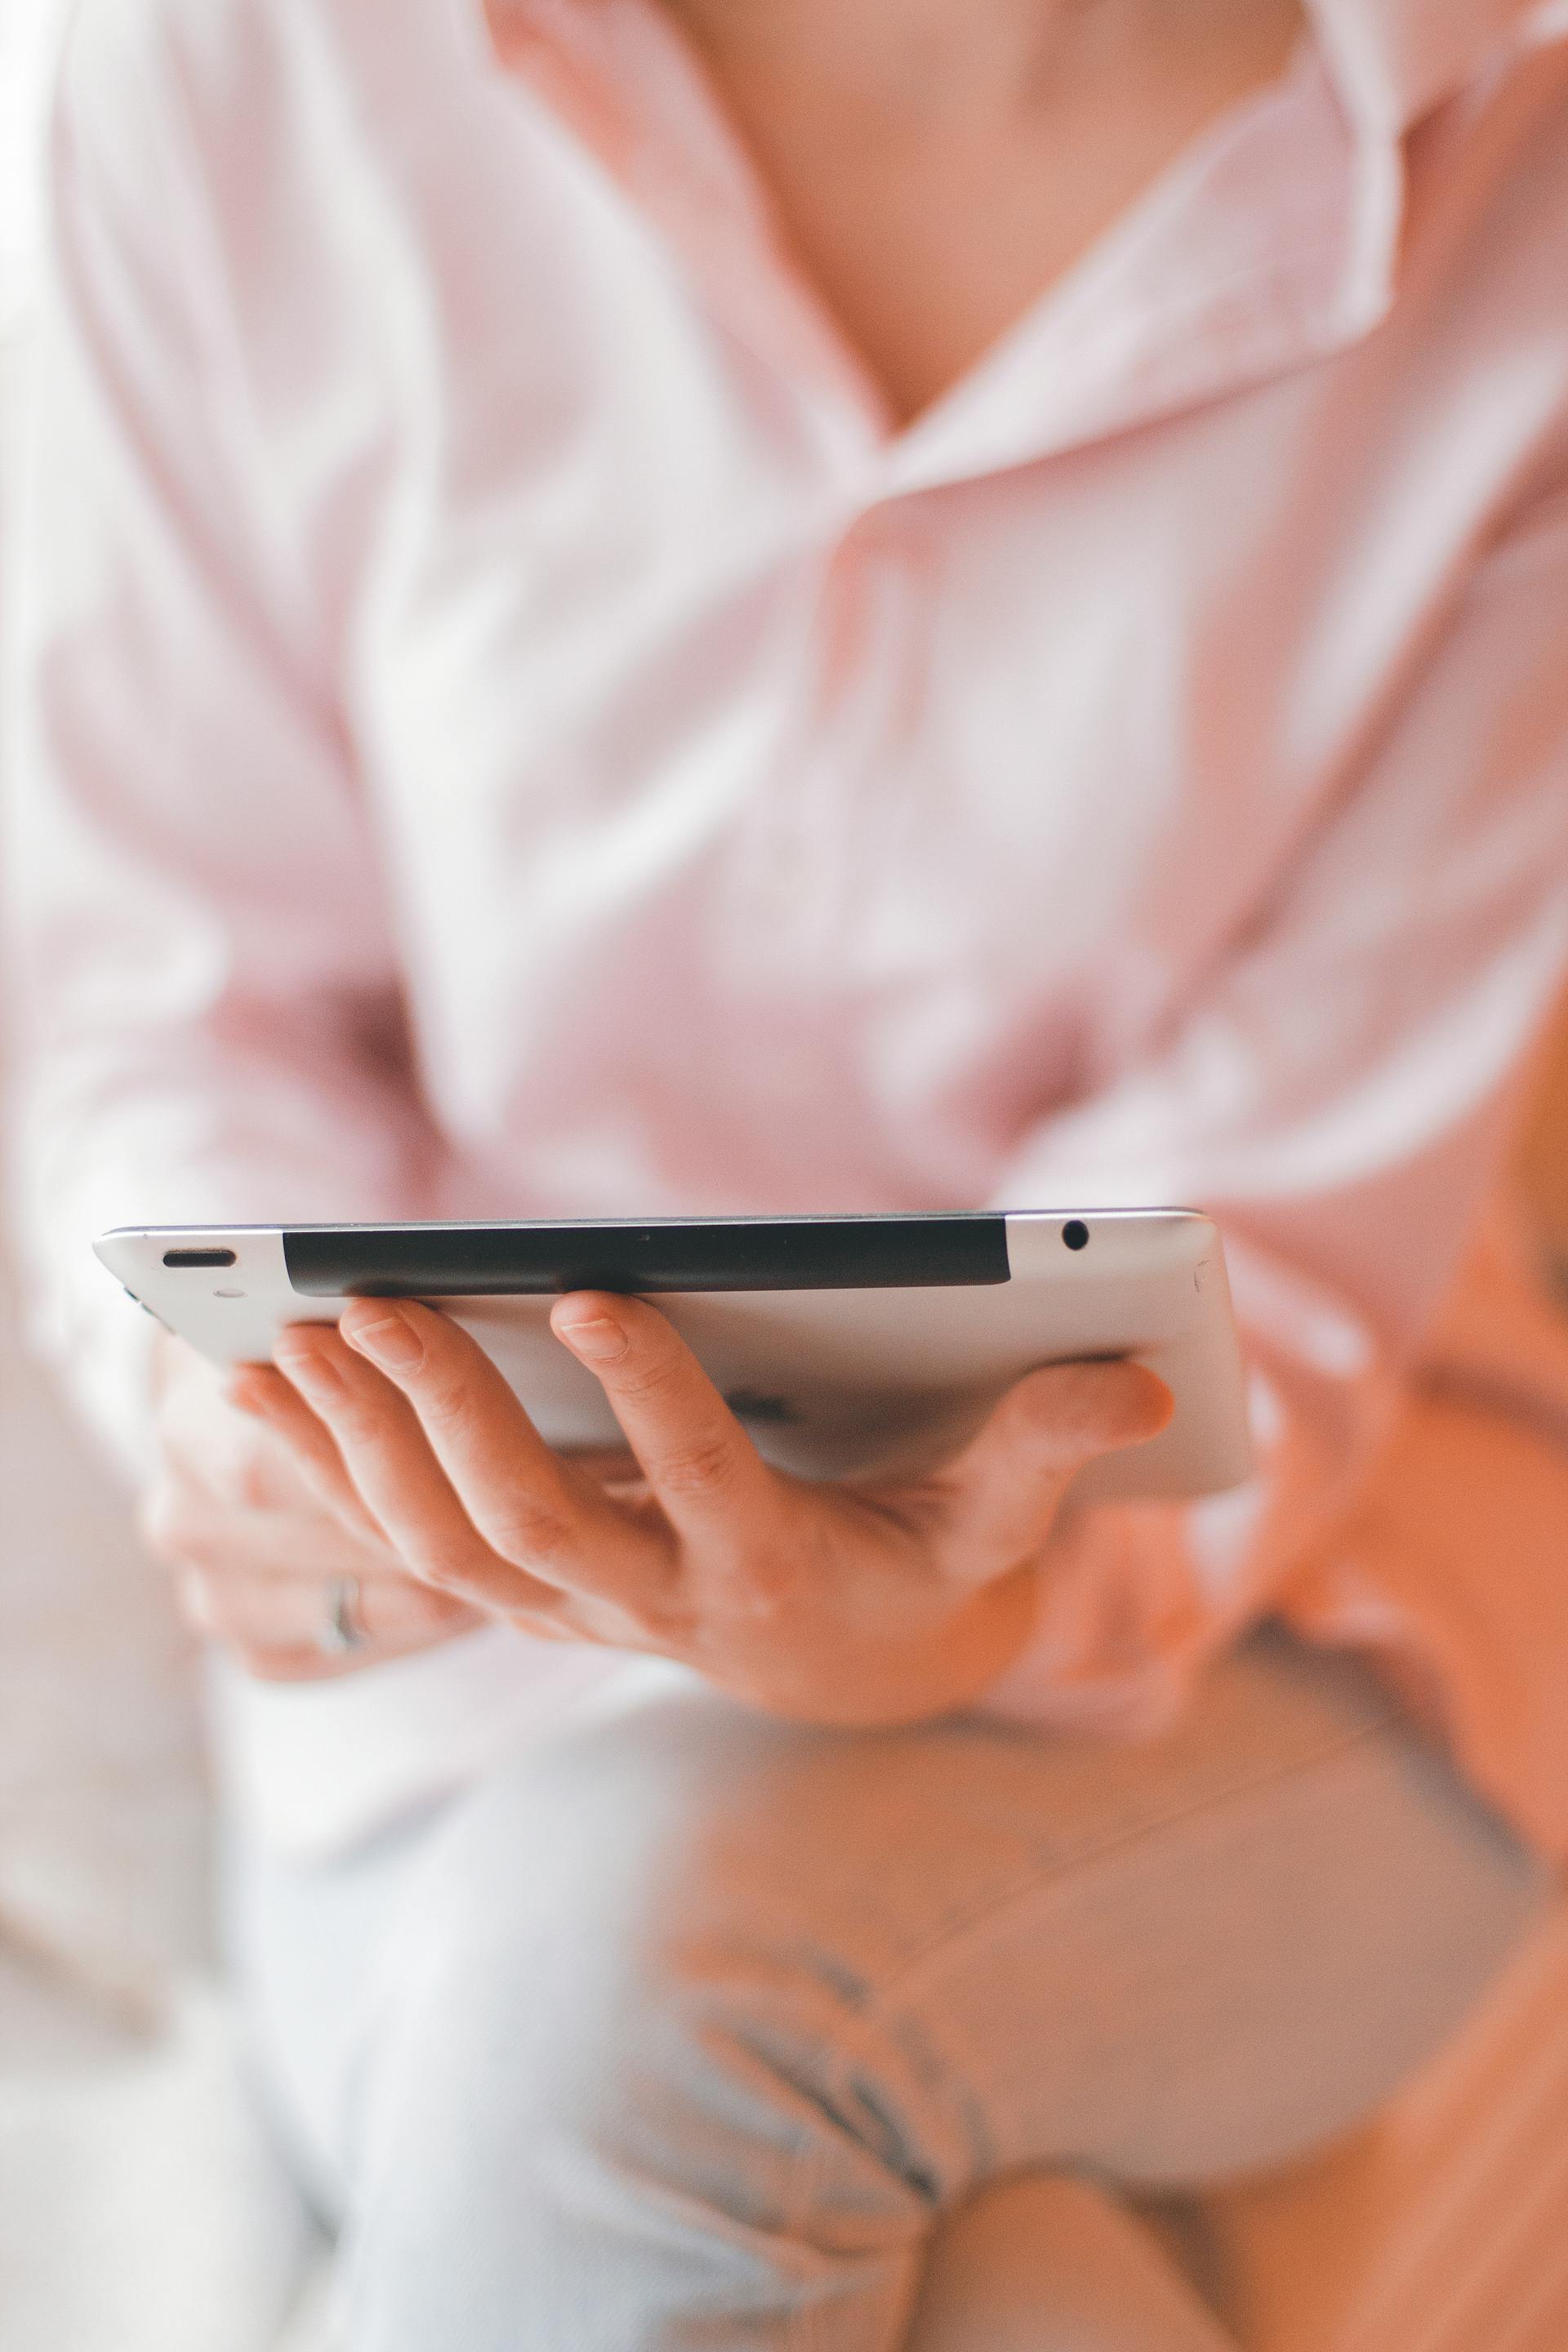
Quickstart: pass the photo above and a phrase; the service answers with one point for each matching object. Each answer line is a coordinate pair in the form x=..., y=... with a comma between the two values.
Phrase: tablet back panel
x=846, y=1346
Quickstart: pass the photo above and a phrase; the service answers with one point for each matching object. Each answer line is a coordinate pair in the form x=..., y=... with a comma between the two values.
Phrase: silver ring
x=342, y=1629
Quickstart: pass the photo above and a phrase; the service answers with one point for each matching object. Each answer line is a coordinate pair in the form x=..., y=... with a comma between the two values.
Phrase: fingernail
x=307, y=1369
x=391, y=1341
x=594, y=1335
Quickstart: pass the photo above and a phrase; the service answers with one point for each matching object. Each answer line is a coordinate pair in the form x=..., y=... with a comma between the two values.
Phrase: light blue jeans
x=679, y=2032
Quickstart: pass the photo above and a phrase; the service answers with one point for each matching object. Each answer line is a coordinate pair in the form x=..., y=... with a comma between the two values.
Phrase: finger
x=186, y=1527
x=230, y=1453
x=261, y=1391
x=245, y=1608
x=390, y=1454
x=701, y=1464
x=269, y=1653
x=1001, y=1495
x=532, y=1508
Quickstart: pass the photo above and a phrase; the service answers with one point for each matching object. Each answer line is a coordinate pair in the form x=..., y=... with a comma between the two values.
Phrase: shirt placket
x=1268, y=245
x=1272, y=241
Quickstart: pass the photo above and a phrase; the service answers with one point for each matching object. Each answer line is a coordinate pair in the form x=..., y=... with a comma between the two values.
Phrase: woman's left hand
x=851, y=1605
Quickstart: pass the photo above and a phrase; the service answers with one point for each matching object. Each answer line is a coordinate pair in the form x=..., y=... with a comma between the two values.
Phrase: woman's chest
x=932, y=169
x=670, y=676
x=641, y=701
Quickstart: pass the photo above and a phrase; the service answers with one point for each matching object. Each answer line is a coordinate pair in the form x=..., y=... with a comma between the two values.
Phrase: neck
x=908, y=47
x=913, y=61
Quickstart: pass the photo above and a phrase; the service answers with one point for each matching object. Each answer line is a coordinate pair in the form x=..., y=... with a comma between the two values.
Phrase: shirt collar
x=1402, y=56
x=1169, y=312
x=1396, y=60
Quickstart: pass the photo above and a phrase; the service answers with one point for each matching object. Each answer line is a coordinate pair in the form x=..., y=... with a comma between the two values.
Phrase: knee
x=616, y=2041
x=620, y=1943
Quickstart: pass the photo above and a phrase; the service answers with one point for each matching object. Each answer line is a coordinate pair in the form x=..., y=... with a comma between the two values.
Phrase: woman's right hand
x=261, y=1525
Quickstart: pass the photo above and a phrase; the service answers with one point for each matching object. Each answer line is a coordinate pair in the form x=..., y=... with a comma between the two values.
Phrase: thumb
x=1005, y=1488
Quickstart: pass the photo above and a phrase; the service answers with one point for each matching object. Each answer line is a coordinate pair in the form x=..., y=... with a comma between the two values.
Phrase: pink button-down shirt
x=502, y=724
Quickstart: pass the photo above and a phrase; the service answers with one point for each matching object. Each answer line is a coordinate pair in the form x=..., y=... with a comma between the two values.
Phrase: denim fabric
x=683, y=2029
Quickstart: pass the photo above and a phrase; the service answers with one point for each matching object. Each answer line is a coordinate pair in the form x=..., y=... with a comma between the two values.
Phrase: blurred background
x=1543, y=1164
x=138, y=2207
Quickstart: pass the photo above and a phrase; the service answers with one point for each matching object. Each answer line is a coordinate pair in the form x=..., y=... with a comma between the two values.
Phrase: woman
x=660, y=606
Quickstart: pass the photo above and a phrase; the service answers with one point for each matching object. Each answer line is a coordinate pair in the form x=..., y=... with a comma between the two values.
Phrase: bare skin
x=934, y=165
x=256, y=1521
x=850, y=1604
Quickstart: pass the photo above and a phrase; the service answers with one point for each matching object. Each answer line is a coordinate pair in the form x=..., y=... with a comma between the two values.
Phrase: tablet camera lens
x=1075, y=1233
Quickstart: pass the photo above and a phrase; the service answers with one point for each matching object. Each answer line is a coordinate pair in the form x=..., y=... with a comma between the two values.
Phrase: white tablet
x=846, y=1345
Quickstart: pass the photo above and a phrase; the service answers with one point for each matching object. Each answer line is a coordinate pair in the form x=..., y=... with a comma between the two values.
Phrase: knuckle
x=447, y=1405
x=704, y=1467
x=530, y=1535
x=354, y=1425
x=444, y=1571
x=647, y=1376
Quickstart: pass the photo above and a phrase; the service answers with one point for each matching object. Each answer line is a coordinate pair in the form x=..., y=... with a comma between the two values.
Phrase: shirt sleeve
x=205, y=988
x=1338, y=1094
